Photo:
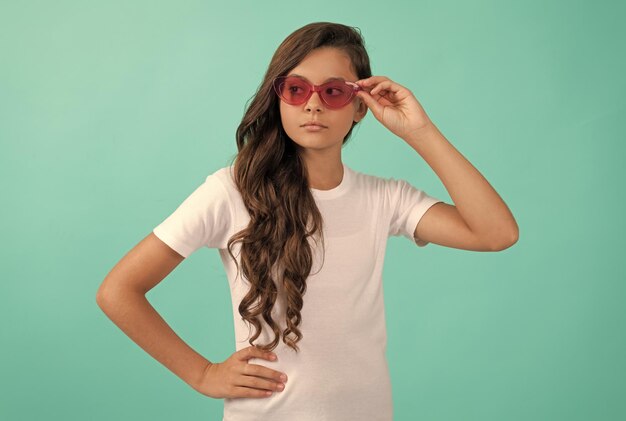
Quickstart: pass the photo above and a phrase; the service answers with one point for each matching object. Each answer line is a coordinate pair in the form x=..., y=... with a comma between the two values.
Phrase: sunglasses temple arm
x=354, y=86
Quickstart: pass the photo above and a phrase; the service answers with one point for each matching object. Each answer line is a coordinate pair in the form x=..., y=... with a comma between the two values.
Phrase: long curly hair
x=272, y=179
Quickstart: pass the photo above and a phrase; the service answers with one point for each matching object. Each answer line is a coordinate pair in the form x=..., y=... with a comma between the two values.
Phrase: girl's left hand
x=394, y=106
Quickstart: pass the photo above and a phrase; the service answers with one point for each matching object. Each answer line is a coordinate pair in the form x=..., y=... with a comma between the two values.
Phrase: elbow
x=505, y=242
x=101, y=298
x=111, y=296
x=106, y=296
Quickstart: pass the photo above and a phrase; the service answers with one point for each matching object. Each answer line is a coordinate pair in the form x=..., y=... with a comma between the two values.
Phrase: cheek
x=286, y=116
x=282, y=113
x=289, y=122
x=347, y=118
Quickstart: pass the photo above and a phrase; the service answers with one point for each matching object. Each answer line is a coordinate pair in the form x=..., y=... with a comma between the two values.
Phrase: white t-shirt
x=341, y=371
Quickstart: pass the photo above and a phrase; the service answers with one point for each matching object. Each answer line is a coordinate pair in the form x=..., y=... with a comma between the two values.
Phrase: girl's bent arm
x=122, y=298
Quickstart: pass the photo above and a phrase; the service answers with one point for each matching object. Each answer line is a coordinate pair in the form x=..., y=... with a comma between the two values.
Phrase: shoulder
x=364, y=180
x=223, y=173
x=377, y=183
x=224, y=176
x=223, y=181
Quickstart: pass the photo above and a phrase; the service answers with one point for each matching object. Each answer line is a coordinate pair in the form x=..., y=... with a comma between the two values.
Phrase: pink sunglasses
x=295, y=90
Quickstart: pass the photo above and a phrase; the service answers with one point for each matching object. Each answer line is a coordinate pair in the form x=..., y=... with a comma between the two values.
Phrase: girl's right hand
x=236, y=378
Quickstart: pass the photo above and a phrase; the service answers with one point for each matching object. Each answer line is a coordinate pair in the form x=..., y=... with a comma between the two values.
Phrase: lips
x=313, y=123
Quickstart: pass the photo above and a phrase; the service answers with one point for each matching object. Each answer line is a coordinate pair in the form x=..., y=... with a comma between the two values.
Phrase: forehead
x=324, y=64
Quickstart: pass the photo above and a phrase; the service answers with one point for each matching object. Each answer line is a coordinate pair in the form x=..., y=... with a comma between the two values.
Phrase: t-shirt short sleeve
x=203, y=219
x=408, y=205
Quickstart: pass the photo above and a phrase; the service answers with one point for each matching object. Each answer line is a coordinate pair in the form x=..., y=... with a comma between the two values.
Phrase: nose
x=314, y=101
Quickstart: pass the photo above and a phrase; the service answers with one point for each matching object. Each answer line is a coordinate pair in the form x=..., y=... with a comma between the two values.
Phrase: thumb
x=371, y=103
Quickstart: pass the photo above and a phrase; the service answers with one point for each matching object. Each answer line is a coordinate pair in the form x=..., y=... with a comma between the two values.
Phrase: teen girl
x=302, y=238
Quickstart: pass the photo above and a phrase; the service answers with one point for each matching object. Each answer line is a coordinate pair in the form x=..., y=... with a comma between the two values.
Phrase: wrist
x=418, y=135
x=200, y=374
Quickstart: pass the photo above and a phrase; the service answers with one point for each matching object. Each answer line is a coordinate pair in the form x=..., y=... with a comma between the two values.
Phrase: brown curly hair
x=272, y=180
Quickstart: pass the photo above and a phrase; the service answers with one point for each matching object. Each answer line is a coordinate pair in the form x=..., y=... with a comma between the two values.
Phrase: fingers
x=256, y=380
x=236, y=377
x=380, y=85
x=262, y=371
x=372, y=80
x=246, y=392
x=266, y=383
x=384, y=87
x=255, y=352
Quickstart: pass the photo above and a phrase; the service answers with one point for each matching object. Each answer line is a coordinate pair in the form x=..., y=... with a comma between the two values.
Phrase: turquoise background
x=111, y=113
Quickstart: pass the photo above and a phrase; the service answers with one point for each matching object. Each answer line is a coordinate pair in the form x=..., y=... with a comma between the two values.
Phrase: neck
x=323, y=172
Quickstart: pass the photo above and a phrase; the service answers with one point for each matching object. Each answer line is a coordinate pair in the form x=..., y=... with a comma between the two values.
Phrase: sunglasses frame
x=316, y=88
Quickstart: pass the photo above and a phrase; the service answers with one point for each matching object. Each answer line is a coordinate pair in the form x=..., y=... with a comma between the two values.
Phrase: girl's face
x=319, y=65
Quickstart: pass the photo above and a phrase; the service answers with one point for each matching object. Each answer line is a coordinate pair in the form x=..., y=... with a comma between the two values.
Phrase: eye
x=294, y=86
x=335, y=91
x=294, y=89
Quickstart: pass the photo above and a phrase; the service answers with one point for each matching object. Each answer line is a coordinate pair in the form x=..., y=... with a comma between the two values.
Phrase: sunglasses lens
x=336, y=94
x=295, y=91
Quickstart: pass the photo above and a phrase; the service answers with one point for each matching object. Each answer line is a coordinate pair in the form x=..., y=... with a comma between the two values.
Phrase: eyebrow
x=329, y=79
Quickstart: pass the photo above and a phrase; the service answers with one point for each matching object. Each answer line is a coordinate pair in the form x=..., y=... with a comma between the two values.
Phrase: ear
x=361, y=109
